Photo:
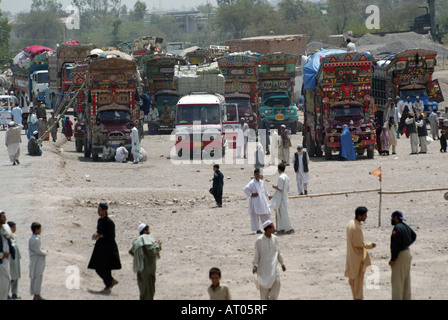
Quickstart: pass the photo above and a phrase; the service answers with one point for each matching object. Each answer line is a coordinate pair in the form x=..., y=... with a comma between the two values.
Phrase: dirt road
x=61, y=190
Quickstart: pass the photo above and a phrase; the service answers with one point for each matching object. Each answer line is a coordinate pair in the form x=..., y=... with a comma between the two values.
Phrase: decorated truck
x=30, y=72
x=276, y=81
x=112, y=102
x=241, y=73
x=60, y=68
x=407, y=74
x=204, y=121
x=157, y=76
x=79, y=74
x=337, y=91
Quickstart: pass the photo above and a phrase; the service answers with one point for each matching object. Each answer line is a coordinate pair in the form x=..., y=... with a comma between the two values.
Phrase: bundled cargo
x=204, y=78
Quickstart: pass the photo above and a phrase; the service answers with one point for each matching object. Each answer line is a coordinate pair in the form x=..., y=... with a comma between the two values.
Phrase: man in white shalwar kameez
x=434, y=124
x=14, y=265
x=265, y=264
x=279, y=202
x=255, y=190
x=37, y=261
x=135, y=144
x=12, y=142
x=5, y=256
x=242, y=138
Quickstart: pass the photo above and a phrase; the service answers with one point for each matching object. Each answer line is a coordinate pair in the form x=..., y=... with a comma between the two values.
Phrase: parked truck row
x=348, y=88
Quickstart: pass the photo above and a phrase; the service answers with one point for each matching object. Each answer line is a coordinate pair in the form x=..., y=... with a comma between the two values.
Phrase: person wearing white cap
x=145, y=250
x=34, y=146
x=301, y=168
x=265, y=263
x=255, y=190
x=419, y=106
x=285, y=144
x=12, y=141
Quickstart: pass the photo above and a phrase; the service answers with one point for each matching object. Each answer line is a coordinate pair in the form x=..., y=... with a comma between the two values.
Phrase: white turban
x=266, y=223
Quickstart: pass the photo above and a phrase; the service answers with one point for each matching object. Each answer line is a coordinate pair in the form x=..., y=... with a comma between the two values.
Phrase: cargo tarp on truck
x=205, y=78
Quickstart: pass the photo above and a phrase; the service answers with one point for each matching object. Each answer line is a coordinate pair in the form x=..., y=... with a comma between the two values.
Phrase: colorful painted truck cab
x=276, y=81
x=157, y=75
x=241, y=73
x=407, y=74
x=79, y=74
x=112, y=99
x=60, y=66
x=337, y=87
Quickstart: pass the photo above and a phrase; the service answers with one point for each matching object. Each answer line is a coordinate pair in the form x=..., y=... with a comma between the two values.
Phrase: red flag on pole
x=376, y=172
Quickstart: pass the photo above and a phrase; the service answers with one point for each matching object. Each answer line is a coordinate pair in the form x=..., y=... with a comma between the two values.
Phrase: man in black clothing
x=402, y=237
x=263, y=132
x=218, y=185
x=105, y=256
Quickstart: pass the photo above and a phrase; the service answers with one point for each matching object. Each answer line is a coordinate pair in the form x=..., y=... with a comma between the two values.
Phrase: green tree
x=46, y=5
x=341, y=13
x=41, y=25
x=5, y=29
x=235, y=18
x=116, y=29
x=139, y=10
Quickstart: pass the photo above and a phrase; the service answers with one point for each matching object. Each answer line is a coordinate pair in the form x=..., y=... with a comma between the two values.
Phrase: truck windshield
x=347, y=111
x=413, y=93
x=241, y=102
x=42, y=77
x=204, y=114
x=114, y=115
x=171, y=99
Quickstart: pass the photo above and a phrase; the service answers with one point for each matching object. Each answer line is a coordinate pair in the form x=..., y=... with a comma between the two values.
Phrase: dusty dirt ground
x=61, y=190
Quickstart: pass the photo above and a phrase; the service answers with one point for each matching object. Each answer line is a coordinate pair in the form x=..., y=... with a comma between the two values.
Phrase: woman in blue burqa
x=347, y=149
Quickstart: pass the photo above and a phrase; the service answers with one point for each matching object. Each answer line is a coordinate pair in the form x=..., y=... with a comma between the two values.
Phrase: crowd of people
x=145, y=250
x=406, y=118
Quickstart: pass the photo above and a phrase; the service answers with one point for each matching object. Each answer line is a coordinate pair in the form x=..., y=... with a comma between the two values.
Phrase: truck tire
x=95, y=156
x=328, y=153
x=79, y=145
x=294, y=127
x=370, y=153
x=310, y=146
x=86, y=149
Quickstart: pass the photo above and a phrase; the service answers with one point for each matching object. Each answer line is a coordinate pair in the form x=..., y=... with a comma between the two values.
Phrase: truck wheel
x=79, y=145
x=86, y=149
x=294, y=128
x=370, y=153
x=310, y=146
x=328, y=153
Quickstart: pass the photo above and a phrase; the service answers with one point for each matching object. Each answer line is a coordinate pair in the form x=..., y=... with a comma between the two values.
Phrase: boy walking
x=37, y=261
x=217, y=291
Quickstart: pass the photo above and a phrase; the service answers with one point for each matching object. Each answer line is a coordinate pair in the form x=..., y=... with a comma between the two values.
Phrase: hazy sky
x=24, y=5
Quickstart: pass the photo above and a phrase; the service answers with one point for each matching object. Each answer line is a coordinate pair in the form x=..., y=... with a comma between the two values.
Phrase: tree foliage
x=106, y=21
x=5, y=29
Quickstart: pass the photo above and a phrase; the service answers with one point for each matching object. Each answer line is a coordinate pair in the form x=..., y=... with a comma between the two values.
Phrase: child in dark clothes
x=443, y=141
